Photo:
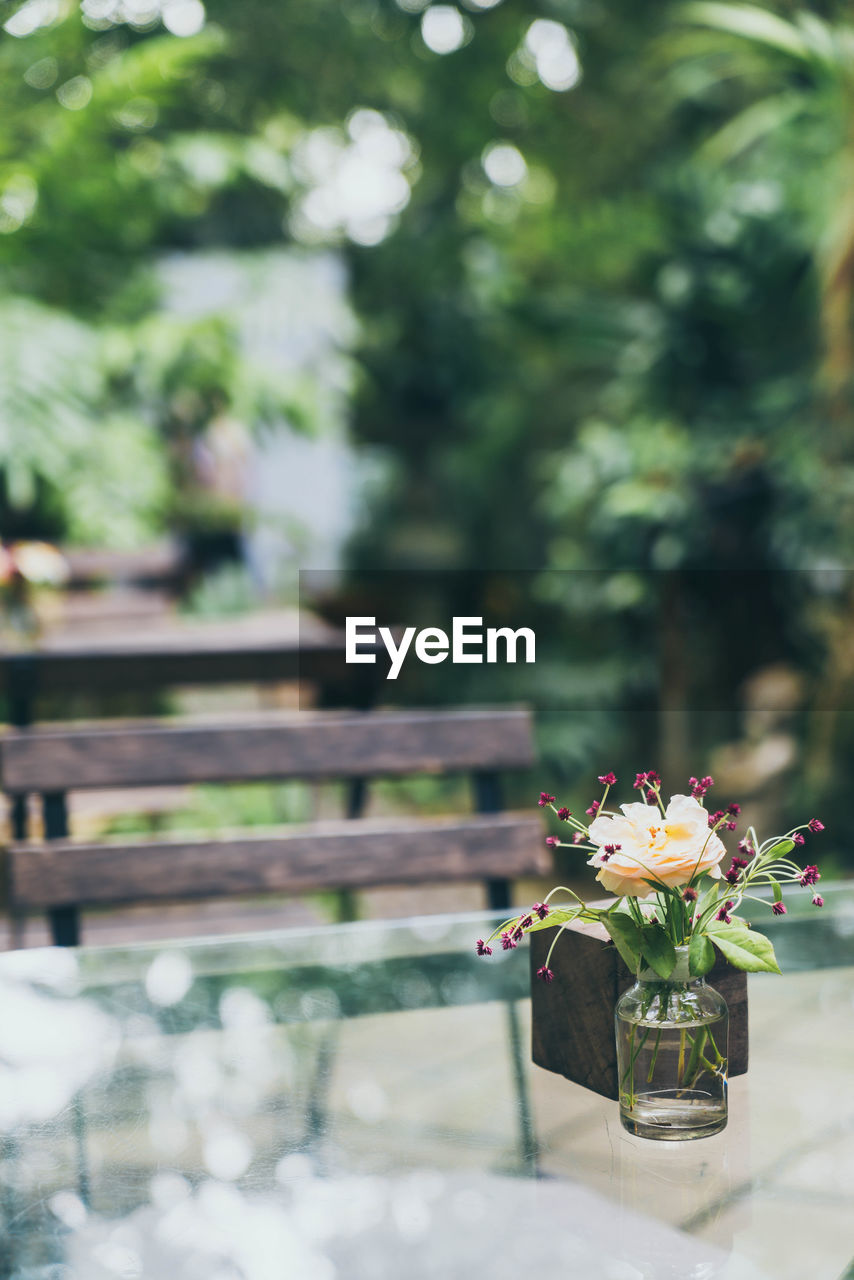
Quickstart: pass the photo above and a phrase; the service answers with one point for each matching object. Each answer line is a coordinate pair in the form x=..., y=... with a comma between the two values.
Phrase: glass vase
x=672, y=1055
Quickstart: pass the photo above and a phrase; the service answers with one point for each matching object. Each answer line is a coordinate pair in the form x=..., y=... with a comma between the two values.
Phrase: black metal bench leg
x=488, y=798
x=20, y=821
x=64, y=921
x=64, y=926
x=19, y=817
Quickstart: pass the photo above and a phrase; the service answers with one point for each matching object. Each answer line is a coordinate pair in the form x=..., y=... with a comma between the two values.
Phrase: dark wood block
x=572, y=1018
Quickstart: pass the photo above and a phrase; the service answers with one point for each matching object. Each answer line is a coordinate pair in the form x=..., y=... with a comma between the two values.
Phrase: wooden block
x=573, y=1017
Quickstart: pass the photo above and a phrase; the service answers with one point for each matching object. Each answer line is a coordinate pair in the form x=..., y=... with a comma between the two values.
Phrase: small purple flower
x=649, y=779
x=733, y=810
x=594, y=808
x=578, y=838
x=545, y=974
x=608, y=779
x=564, y=814
x=723, y=914
x=733, y=875
x=798, y=837
x=778, y=908
x=810, y=875
x=689, y=894
x=745, y=847
x=482, y=948
x=507, y=942
x=609, y=850
x=730, y=826
x=741, y=863
x=818, y=900
x=540, y=909
x=545, y=799
x=714, y=818
x=526, y=922
x=552, y=841
x=815, y=825
x=699, y=786
x=518, y=934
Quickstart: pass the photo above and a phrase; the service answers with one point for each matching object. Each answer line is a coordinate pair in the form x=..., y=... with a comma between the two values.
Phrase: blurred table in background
x=259, y=649
x=114, y=589
x=78, y=613
x=160, y=566
x=342, y=1103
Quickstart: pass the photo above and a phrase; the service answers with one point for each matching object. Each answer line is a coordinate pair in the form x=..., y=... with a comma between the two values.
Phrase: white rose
x=671, y=847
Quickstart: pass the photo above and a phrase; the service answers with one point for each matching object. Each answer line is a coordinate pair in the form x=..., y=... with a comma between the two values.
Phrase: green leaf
x=779, y=850
x=750, y=126
x=557, y=916
x=701, y=955
x=777, y=891
x=751, y=23
x=656, y=885
x=744, y=948
x=711, y=895
x=625, y=935
x=657, y=949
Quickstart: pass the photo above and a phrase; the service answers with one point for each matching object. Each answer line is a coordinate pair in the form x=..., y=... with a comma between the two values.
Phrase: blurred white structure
x=291, y=312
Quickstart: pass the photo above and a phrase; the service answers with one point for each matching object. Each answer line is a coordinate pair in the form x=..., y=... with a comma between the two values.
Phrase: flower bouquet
x=675, y=909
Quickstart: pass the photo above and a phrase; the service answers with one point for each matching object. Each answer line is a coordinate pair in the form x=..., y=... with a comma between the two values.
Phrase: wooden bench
x=256, y=649
x=60, y=876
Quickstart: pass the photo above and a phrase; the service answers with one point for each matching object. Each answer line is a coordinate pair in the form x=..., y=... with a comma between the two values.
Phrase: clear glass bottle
x=672, y=1055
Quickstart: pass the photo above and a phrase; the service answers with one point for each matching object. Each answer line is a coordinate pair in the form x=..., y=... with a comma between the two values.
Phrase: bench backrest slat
x=344, y=855
x=307, y=746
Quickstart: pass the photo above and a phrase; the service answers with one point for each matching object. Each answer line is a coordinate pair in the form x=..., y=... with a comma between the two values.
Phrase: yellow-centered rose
x=648, y=845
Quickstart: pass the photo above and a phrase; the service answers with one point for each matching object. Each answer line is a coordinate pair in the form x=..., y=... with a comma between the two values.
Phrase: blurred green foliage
x=602, y=259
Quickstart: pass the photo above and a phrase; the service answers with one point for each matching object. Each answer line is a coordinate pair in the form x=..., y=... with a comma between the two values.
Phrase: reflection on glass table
x=356, y=1103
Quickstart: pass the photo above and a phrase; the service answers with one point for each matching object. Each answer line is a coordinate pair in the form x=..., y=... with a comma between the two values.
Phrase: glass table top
x=357, y=1102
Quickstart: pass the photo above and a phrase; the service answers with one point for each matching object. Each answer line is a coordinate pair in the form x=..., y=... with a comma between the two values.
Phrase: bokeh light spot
x=443, y=28
x=184, y=17
x=504, y=164
x=31, y=16
x=138, y=114
x=169, y=978
x=75, y=94
x=553, y=52
x=17, y=202
x=42, y=74
x=356, y=184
